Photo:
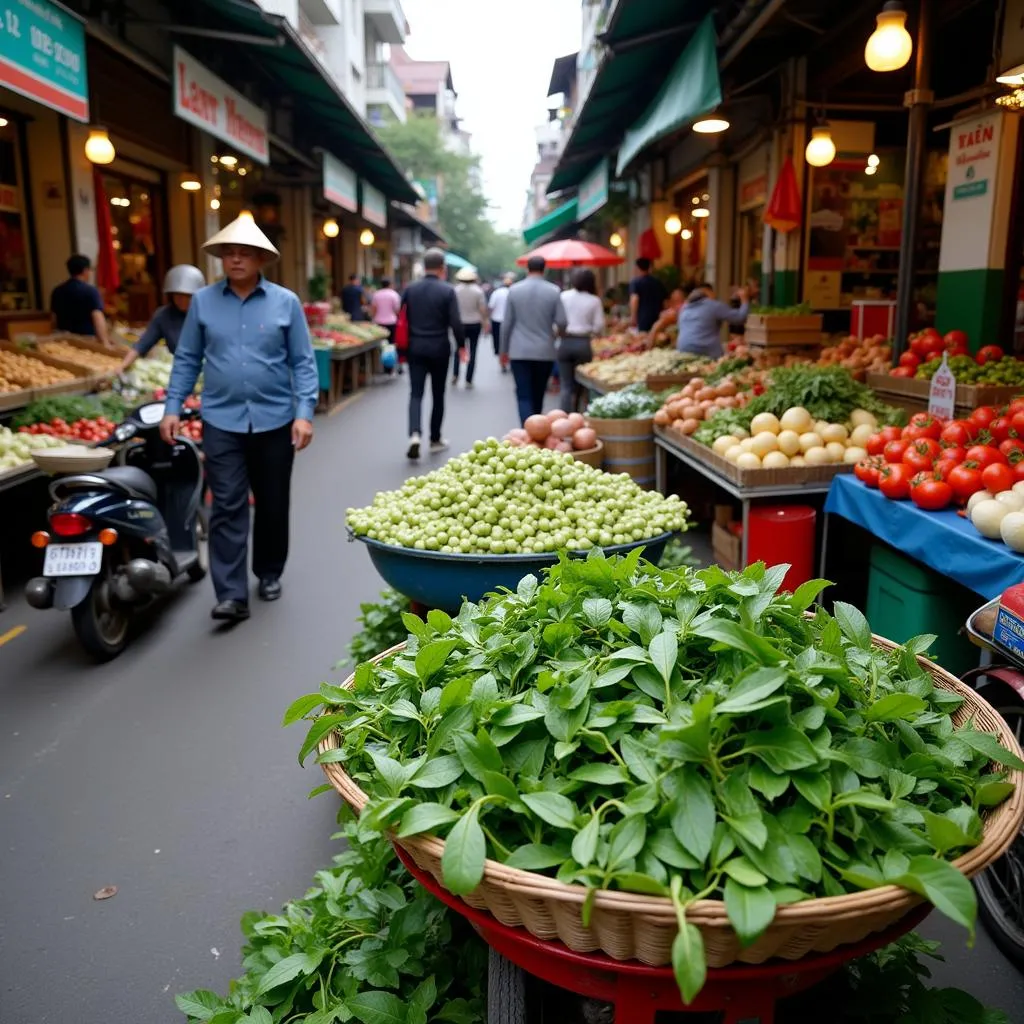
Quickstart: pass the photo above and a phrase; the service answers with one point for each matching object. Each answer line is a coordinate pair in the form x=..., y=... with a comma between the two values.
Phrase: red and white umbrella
x=571, y=252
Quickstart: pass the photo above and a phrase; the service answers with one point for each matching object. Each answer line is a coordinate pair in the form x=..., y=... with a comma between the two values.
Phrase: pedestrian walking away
x=646, y=297
x=701, y=319
x=496, y=307
x=180, y=284
x=473, y=313
x=249, y=339
x=584, y=314
x=384, y=307
x=77, y=305
x=534, y=315
x=432, y=310
x=353, y=298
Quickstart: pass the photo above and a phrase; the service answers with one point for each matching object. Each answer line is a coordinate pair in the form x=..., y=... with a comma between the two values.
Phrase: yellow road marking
x=346, y=402
x=12, y=634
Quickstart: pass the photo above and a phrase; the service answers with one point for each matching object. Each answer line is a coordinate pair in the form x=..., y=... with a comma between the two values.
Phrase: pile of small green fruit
x=498, y=500
x=1009, y=370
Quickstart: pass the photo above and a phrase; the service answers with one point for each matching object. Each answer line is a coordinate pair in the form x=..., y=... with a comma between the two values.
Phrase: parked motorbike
x=121, y=537
x=1001, y=887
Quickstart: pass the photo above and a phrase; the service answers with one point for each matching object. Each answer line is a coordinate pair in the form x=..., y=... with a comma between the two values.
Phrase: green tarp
x=560, y=217
x=691, y=89
x=456, y=262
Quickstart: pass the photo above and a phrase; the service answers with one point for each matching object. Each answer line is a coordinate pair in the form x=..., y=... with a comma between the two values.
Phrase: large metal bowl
x=438, y=580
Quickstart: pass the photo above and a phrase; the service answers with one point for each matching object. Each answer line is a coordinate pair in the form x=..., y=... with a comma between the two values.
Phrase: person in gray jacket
x=533, y=317
x=701, y=319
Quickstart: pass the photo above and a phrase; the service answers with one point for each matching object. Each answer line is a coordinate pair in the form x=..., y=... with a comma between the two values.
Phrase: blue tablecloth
x=944, y=541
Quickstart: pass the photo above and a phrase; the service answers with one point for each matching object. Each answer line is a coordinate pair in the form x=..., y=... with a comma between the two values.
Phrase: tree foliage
x=462, y=210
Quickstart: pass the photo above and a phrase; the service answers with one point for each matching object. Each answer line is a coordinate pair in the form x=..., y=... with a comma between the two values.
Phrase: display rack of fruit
x=557, y=430
x=860, y=357
x=28, y=372
x=636, y=367
x=95, y=362
x=685, y=410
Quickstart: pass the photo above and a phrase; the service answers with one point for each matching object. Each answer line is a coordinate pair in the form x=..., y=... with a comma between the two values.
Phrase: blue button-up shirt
x=259, y=371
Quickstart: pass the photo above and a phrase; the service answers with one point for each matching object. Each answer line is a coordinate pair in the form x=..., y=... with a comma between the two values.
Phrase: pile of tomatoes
x=938, y=463
x=193, y=430
x=929, y=344
x=91, y=430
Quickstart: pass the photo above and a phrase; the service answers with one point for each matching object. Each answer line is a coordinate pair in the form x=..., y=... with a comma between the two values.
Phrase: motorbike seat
x=132, y=481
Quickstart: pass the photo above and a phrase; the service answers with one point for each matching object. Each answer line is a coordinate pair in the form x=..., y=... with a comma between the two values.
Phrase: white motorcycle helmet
x=184, y=279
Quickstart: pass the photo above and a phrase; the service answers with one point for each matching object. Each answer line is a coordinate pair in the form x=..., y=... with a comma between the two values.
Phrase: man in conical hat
x=249, y=339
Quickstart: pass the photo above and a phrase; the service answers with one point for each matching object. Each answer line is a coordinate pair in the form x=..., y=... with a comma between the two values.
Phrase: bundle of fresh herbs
x=636, y=401
x=681, y=733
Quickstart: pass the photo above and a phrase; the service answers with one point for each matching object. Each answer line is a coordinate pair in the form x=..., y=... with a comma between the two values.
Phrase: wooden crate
x=771, y=330
x=912, y=394
x=86, y=345
x=84, y=379
x=667, y=381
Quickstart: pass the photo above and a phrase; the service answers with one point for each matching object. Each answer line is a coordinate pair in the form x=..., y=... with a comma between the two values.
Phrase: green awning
x=691, y=89
x=456, y=262
x=643, y=39
x=283, y=56
x=560, y=217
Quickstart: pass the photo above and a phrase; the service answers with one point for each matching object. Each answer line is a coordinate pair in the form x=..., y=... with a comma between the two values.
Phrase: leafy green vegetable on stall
x=71, y=408
x=636, y=401
x=382, y=627
x=676, y=732
x=800, y=310
x=726, y=368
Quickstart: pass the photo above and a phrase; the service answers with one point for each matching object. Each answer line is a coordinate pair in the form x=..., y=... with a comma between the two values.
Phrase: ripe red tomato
x=943, y=468
x=955, y=339
x=1011, y=445
x=983, y=416
x=901, y=371
x=997, y=478
x=931, y=494
x=959, y=432
x=921, y=454
x=952, y=453
x=894, y=450
x=989, y=354
x=1001, y=428
x=927, y=344
x=984, y=455
x=876, y=442
x=867, y=470
x=923, y=425
x=1016, y=421
x=910, y=359
x=965, y=480
x=1018, y=471
x=1016, y=406
x=894, y=481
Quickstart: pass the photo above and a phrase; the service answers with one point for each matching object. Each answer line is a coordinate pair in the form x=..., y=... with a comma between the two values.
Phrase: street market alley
x=166, y=772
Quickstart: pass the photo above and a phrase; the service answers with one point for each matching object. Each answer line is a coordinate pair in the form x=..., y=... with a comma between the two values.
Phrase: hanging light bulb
x=331, y=229
x=366, y=237
x=4, y=122
x=215, y=203
x=686, y=234
x=98, y=147
x=889, y=47
x=712, y=124
x=190, y=182
x=821, y=150
x=869, y=170
x=229, y=161
x=873, y=160
x=695, y=200
x=701, y=212
x=615, y=241
x=673, y=225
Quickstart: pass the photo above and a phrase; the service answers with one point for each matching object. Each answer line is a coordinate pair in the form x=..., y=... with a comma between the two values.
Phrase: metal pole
x=918, y=100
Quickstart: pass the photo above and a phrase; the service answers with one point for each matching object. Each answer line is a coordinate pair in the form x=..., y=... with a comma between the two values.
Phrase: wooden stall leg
x=745, y=505
x=660, y=469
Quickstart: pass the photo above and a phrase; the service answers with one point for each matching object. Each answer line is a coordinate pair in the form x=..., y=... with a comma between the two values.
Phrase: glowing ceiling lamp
x=889, y=46
x=686, y=234
x=190, y=182
x=331, y=229
x=366, y=237
x=673, y=225
x=701, y=212
x=98, y=147
x=821, y=150
x=711, y=124
x=615, y=241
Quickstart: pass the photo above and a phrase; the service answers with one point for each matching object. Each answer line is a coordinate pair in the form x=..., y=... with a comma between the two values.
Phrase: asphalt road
x=166, y=773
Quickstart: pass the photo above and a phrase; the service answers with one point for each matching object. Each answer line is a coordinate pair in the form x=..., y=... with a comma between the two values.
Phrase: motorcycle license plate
x=73, y=559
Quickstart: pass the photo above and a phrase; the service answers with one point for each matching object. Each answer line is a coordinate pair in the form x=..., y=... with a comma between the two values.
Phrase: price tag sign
x=942, y=396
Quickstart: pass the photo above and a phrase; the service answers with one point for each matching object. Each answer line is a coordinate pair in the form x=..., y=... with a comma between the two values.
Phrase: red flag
x=648, y=246
x=784, y=208
x=108, y=277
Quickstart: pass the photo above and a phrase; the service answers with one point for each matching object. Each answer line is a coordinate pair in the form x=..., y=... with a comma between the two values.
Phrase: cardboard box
x=726, y=542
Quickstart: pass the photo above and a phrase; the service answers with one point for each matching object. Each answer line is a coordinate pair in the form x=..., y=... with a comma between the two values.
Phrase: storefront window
x=15, y=276
x=136, y=216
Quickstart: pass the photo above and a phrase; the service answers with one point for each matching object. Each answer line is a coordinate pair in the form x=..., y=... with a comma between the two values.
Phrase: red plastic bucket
x=783, y=533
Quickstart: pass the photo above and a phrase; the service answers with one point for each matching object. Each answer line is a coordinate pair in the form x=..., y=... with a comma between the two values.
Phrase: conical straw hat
x=242, y=231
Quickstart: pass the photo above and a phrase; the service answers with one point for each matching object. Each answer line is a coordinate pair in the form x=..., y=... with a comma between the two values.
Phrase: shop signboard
x=206, y=101
x=42, y=56
x=593, y=192
x=341, y=186
x=375, y=206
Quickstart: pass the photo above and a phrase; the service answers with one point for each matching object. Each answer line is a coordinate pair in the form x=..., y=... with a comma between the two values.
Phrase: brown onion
x=538, y=427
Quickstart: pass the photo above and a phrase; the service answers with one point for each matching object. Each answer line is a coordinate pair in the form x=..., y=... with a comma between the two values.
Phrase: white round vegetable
x=853, y=454
x=1018, y=488
x=836, y=451
x=861, y=417
x=763, y=443
x=976, y=497
x=810, y=440
x=734, y=452
x=789, y=442
x=861, y=435
x=1011, y=529
x=747, y=444
x=835, y=432
x=797, y=418
x=764, y=421
x=748, y=460
x=774, y=460
x=1014, y=500
x=797, y=460
x=817, y=456
x=987, y=517
x=820, y=426
x=724, y=443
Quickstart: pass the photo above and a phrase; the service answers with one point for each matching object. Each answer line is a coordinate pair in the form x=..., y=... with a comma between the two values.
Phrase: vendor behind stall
x=180, y=284
x=701, y=319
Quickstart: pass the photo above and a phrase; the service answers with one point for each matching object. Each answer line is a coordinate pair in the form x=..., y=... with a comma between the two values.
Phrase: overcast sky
x=501, y=56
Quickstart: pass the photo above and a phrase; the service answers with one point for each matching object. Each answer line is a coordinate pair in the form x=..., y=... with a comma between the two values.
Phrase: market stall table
x=944, y=541
x=665, y=445
x=345, y=363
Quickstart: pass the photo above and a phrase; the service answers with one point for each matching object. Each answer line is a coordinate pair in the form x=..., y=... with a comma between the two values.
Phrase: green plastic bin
x=907, y=599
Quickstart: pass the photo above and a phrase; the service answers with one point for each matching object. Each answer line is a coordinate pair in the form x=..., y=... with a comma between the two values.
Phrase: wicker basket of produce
x=630, y=924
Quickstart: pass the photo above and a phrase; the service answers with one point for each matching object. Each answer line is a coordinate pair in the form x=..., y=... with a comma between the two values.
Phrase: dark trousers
x=472, y=340
x=573, y=351
x=496, y=336
x=531, y=377
x=420, y=367
x=235, y=465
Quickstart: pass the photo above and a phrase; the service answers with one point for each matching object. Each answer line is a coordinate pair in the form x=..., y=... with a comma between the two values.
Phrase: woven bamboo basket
x=627, y=926
x=628, y=447
x=591, y=456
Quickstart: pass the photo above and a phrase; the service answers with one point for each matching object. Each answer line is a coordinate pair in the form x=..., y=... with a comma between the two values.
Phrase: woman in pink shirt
x=384, y=309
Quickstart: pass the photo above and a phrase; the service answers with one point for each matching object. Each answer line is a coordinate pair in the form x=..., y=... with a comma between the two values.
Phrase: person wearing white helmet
x=180, y=284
